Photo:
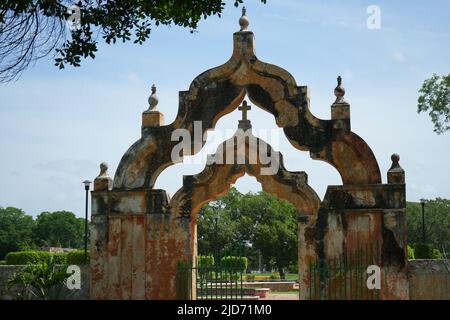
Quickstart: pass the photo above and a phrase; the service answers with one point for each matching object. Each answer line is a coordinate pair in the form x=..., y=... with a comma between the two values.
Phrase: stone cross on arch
x=244, y=108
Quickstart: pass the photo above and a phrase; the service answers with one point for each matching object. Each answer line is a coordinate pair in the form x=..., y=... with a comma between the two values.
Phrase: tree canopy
x=264, y=223
x=32, y=29
x=435, y=99
x=59, y=228
x=437, y=222
x=19, y=231
x=16, y=230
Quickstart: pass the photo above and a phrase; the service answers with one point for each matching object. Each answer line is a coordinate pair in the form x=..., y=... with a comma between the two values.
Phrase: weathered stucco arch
x=139, y=234
x=215, y=180
x=220, y=90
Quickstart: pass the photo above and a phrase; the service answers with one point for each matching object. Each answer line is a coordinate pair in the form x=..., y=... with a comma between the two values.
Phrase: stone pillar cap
x=103, y=181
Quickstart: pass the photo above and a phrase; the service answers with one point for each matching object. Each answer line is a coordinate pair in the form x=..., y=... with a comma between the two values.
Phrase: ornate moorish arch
x=219, y=91
x=217, y=177
x=139, y=234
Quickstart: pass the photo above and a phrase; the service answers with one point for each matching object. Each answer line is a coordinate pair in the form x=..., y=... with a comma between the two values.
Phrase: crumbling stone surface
x=429, y=279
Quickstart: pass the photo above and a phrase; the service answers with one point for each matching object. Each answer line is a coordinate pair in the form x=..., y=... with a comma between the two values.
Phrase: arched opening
x=258, y=232
x=216, y=180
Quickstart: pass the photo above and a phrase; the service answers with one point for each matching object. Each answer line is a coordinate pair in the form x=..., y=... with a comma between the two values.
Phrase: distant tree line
x=265, y=225
x=262, y=224
x=19, y=231
x=437, y=222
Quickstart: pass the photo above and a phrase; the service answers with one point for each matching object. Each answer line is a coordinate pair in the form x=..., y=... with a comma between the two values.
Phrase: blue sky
x=57, y=126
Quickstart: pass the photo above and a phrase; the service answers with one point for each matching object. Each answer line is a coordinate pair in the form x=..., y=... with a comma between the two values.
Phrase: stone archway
x=139, y=234
x=223, y=170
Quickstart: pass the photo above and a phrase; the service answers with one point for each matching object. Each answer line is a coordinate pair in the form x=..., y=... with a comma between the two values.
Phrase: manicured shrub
x=234, y=264
x=275, y=276
x=235, y=277
x=76, y=257
x=2, y=262
x=411, y=255
x=204, y=265
x=436, y=254
x=250, y=277
x=426, y=251
x=205, y=261
x=34, y=257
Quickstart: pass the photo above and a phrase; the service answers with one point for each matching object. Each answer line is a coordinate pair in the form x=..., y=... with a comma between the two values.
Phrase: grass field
x=289, y=276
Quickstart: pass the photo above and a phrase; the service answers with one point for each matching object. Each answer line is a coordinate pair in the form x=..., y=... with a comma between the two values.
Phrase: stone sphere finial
x=396, y=174
x=339, y=91
x=395, y=160
x=153, y=99
x=243, y=20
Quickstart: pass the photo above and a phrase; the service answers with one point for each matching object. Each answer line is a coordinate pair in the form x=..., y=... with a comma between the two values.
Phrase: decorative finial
x=339, y=91
x=396, y=174
x=243, y=20
x=153, y=99
x=103, y=181
x=395, y=161
x=103, y=169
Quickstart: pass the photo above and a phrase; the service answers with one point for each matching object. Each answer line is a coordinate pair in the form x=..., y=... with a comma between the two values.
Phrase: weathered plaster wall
x=135, y=245
x=428, y=280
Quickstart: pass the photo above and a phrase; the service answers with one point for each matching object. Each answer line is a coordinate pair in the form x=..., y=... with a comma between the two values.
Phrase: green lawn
x=289, y=276
x=284, y=292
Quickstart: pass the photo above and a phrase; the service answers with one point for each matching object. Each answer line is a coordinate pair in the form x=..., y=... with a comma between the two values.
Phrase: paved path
x=281, y=296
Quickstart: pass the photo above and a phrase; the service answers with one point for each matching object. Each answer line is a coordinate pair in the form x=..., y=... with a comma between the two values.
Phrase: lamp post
x=215, y=231
x=422, y=202
x=86, y=183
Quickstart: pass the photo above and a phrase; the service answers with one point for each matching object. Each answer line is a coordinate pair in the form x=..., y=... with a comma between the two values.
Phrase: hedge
x=233, y=263
x=426, y=251
x=250, y=277
x=275, y=276
x=205, y=261
x=29, y=257
x=77, y=257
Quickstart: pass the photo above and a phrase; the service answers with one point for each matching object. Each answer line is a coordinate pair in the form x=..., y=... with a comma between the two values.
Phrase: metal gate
x=213, y=277
x=346, y=277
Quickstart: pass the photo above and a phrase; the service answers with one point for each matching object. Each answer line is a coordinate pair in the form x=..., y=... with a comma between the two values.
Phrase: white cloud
x=132, y=77
x=348, y=74
x=398, y=56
